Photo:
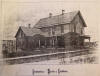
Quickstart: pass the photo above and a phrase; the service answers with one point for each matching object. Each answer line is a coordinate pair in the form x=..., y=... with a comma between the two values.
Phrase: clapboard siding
x=78, y=25
x=48, y=32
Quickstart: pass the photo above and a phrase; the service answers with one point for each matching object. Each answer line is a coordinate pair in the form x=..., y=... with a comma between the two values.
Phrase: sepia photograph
x=49, y=37
x=54, y=37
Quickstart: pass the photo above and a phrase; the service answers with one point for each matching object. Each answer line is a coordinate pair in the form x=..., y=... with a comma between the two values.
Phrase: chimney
x=63, y=12
x=29, y=25
x=50, y=15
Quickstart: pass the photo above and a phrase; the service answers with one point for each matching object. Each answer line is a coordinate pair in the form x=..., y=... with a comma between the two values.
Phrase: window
x=53, y=31
x=81, y=30
x=75, y=25
x=74, y=28
x=62, y=29
x=49, y=31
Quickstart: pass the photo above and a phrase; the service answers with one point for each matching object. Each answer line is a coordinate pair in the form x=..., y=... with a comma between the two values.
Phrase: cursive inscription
x=49, y=71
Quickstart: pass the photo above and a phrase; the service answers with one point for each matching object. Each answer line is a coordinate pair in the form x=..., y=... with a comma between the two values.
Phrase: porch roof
x=85, y=36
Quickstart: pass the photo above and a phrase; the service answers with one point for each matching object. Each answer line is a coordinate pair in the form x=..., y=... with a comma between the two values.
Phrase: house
x=61, y=31
x=24, y=37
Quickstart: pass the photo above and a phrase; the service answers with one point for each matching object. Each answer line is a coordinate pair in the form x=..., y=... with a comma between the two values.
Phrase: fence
x=43, y=57
x=8, y=47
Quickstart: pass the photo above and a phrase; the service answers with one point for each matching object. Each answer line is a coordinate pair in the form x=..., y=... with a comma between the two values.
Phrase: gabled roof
x=28, y=31
x=58, y=19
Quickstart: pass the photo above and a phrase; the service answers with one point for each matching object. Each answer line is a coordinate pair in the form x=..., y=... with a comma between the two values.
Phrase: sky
x=15, y=13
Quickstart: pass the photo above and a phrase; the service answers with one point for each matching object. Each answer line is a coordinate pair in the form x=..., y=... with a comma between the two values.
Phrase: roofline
x=82, y=18
x=60, y=14
x=78, y=12
x=80, y=15
x=50, y=26
x=18, y=30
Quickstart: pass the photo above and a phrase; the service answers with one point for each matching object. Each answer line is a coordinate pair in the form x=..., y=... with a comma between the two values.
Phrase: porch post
x=39, y=43
x=53, y=43
x=89, y=39
x=45, y=43
x=56, y=42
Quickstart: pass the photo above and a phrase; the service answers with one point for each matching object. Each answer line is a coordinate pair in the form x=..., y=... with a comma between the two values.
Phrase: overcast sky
x=22, y=12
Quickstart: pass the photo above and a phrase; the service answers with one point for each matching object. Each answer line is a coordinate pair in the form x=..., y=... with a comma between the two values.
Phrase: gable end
x=19, y=32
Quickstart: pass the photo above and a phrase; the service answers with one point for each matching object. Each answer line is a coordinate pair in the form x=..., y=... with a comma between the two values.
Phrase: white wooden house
x=60, y=31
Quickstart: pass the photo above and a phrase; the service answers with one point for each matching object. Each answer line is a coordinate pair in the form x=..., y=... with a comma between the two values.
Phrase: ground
x=25, y=69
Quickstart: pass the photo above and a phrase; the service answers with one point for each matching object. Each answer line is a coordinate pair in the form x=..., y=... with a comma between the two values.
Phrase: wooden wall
x=77, y=22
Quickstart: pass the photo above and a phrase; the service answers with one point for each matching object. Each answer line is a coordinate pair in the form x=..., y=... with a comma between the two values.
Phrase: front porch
x=51, y=42
x=85, y=37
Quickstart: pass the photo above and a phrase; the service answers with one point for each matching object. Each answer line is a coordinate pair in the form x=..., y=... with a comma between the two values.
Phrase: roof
x=51, y=21
x=29, y=31
x=58, y=19
x=71, y=34
x=85, y=36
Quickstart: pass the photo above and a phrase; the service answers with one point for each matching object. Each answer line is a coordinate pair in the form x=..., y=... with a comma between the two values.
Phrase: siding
x=57, y=30
x=20, y=34
x=71, y=27
x=79, y=25
x=75, y=26
x=21, y=40
x=66, y=28
x=45, y=31
x=50, y=31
